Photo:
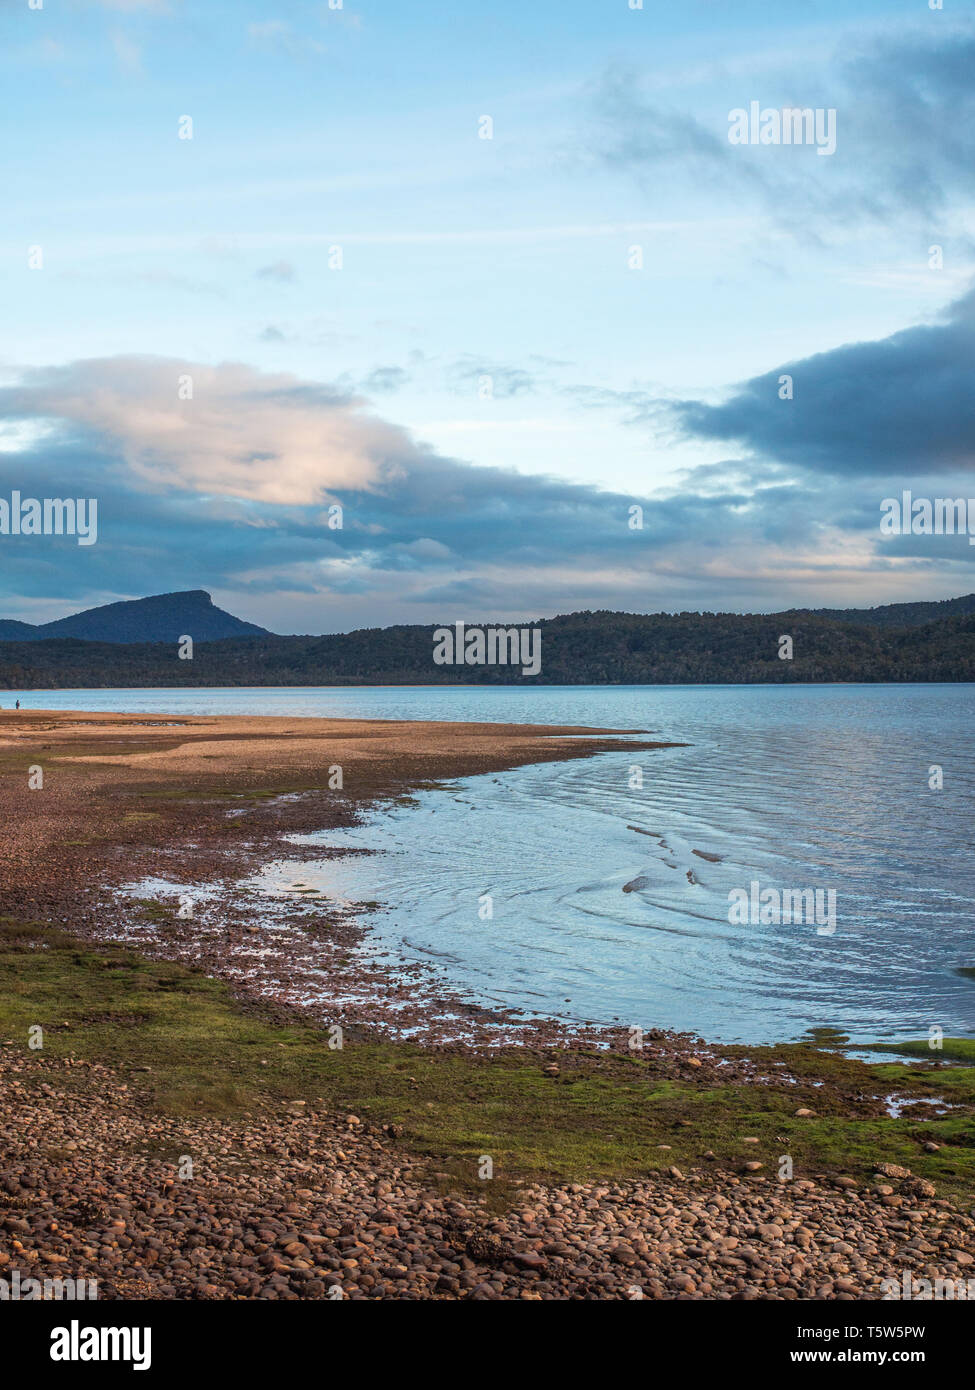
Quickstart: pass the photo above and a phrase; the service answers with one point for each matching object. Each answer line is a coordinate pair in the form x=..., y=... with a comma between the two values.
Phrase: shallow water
x=792, y=787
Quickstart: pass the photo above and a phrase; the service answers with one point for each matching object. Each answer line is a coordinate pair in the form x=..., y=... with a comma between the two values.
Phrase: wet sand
x=98, y=769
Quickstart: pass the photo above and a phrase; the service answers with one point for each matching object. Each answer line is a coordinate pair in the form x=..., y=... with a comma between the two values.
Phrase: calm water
x=794, y=787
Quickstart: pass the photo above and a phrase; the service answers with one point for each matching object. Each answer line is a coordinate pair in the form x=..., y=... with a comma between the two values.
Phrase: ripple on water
x=792, y=786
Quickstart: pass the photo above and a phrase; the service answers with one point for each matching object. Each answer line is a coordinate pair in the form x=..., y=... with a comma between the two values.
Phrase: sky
x=487, y=277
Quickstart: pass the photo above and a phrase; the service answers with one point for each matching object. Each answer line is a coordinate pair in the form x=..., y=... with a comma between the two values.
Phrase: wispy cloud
x=135, y=6
x=282, y=271
x=127, y=52
x=279, y=36
x=906, y=132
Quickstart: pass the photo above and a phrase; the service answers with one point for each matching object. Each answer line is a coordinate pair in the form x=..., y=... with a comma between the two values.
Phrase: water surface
x=792, y=786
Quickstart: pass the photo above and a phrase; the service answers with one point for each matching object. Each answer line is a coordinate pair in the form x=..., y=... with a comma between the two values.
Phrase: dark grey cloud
x=900, y=405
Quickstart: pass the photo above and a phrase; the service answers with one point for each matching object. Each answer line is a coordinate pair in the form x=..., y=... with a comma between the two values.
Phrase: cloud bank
x=229, y=488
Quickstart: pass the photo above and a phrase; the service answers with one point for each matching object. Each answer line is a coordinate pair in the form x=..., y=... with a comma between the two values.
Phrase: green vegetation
x=951, y=1050
x=185, y=1047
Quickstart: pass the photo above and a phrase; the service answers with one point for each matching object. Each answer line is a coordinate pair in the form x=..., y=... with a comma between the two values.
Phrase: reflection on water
x=610, y=899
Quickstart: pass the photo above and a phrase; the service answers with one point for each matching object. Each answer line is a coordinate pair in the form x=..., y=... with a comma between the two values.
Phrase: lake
x=792, y=787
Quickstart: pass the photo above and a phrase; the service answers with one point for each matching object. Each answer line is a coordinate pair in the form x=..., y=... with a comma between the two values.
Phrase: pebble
x=289, y=1205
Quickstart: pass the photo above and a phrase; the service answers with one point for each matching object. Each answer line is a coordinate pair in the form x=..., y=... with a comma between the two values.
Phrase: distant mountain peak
x=159, y=618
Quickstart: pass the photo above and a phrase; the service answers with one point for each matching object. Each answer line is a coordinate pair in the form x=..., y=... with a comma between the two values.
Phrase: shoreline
x=576, y=1124
x=169, y=765
x=18, y=692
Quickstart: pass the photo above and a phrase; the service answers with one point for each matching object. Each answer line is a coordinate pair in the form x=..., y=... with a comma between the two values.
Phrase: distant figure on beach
x=18, y=704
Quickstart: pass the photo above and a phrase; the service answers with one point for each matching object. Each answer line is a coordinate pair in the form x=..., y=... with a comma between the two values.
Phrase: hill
x=577, y=649
x=895, y=614
x=162, y=618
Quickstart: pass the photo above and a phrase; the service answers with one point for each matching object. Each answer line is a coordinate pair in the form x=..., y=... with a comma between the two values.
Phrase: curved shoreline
x=208, y=801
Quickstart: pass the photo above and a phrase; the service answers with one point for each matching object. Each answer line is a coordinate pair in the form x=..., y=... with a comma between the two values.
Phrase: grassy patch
x=605, y=1116
x=951, y=1050
x=151, y=908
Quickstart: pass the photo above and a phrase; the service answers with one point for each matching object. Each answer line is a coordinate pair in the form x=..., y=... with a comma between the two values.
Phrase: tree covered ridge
x=577, y=648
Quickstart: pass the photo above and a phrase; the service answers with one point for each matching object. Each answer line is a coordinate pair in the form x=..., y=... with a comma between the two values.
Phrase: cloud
x=493, y=378
x=282, y=271
x=134, y=6
x=278, y=36
x=128, y=53
x=230, y=486
x=264, y=437
x=905, y=133
x=227, y=490
x=384, y=380
x=169, y=280
x=902, y=404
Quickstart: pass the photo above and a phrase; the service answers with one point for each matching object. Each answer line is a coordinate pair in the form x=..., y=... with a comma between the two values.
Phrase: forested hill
x=579, y=648
x=893, y=614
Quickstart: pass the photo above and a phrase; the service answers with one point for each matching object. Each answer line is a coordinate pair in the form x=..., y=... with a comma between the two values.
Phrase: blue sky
x=485, y=383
